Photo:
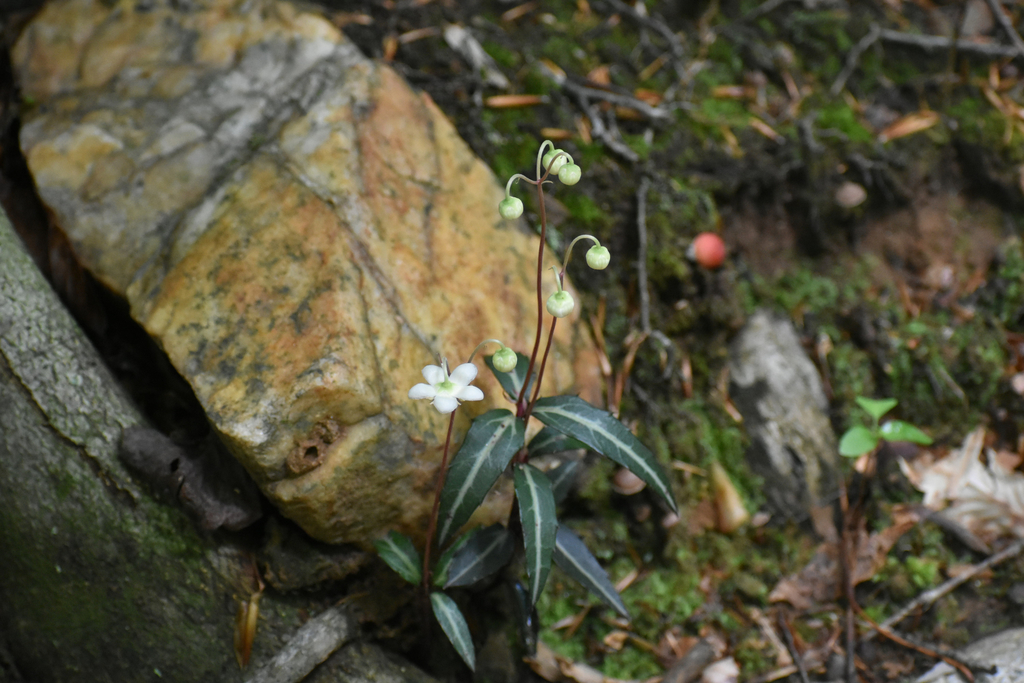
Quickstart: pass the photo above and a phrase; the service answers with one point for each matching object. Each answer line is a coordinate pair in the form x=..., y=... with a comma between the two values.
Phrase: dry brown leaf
x=976, y=492
x=555, y=134
x=511, y=101
x=651, y=97
x=729, y=509
x=615, y=640
x=343, y=19
x=390, y=47
x=601, y=75
x=819, y=581
x=519, y=11
x=730, y=92
x=418, y=34
x=909, y=124
x=554, y=667
x=765, y=130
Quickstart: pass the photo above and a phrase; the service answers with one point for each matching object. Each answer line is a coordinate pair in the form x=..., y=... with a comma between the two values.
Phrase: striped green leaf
x=440, y=573
x=397, y=550
x=489, y=446
x=485, y=553
x=512, y=382
x=562, y=478
x=600, y=431
x=550, y=441
x=537, y=514
x=454, y=626
x=572, y=556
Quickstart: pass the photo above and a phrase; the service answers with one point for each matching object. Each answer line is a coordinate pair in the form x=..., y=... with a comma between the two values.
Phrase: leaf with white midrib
x=537, y=515
x=600, y=431
x=454, y=626
x=562, y=478
x=490, y=444
x=397, y=550
x=550, y=440
x=572, y=555
x=485, y=553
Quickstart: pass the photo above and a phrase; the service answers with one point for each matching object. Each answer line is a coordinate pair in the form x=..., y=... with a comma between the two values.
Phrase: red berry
x=708, y=250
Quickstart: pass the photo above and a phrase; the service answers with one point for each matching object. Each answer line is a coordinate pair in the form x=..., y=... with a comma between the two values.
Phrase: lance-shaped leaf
x=397, y=550
x=898, y=430
x=600, y=431
x=562, y=478
x=512, y=382
x=572, y=556
x=550, y=441
x=485, y=553
x=489, y=446
x=440, y=575
x=454, y=626
x=537, y=514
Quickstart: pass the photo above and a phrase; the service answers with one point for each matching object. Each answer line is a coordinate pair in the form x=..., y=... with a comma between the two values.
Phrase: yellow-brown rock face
x=299, y=230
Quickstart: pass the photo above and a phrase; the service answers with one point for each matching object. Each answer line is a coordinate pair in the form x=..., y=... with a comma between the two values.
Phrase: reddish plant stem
x=437, y=506
x=540, y=373
x=521, y=400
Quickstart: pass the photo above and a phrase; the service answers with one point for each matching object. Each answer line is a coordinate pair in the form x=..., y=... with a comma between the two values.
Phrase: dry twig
x=641, y=267
x=941, y=43
x=787, y=634
x=1006, y=25
x=926, y=599
x=853, y=58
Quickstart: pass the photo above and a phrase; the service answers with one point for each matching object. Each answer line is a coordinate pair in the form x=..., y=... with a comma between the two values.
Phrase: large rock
x=299, y=230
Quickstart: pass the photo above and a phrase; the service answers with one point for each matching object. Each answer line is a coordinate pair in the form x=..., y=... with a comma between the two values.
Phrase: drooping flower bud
x=510, y=208
x=570, y=174
x=504, y=359
x=558, y=163
x=598, y=257
x=560, y=304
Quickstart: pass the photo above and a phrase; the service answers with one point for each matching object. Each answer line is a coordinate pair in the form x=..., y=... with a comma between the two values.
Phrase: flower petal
x=422, y=391
x=464, y=374
x=433, y=374
x=445, y=404
x=469, y=394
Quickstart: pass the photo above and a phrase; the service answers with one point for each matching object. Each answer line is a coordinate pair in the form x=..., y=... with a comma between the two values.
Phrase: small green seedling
x=859, y=439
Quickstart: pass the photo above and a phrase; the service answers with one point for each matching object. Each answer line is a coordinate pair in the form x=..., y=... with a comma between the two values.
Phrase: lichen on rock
x=299, y=230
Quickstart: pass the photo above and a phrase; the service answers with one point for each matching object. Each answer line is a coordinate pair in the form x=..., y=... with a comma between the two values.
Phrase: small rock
x=850, y=195
x=778, y=391
x=1003, y=651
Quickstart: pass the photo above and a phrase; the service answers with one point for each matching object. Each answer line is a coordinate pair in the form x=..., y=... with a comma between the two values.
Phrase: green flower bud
x=570, y=174
x=504, y=360
x=510, y=207
x=598, y=257
x=560, y=304
x=558, y=163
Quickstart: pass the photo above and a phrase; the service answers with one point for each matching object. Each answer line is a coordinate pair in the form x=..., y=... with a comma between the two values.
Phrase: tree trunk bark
x=99, y=582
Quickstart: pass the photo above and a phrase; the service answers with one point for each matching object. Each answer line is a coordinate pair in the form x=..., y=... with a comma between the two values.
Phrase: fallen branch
x=1006, y=25
x=317, y=640
x=926, y=599
x=942, y=44
x=926, y=651
x=853, y=58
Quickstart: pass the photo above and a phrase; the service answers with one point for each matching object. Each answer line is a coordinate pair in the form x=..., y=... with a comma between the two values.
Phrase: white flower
x=447, y=390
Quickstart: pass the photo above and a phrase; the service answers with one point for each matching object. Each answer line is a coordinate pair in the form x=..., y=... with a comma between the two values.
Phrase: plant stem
x=437, y=506
x=540, y=373
x=521, y=400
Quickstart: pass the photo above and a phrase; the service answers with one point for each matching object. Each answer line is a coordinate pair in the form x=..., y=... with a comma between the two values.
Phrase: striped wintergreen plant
x=496, y=443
